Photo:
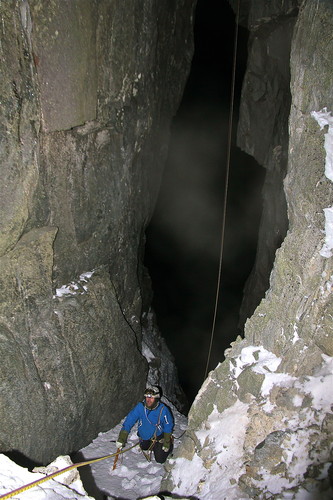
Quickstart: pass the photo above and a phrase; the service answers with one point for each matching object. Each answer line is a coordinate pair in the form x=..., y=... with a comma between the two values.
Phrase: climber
x=155, y=426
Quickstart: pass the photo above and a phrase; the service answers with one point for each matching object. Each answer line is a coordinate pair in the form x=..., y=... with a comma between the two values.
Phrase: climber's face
x=149, y=401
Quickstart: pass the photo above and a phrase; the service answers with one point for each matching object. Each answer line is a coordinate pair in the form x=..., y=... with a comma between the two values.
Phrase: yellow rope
x=231, y=113
x=61, y=471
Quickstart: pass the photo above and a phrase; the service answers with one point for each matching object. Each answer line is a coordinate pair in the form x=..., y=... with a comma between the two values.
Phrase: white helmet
x=152, y=392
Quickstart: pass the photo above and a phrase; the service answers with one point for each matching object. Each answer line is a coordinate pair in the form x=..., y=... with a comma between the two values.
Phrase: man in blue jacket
x=155, y=425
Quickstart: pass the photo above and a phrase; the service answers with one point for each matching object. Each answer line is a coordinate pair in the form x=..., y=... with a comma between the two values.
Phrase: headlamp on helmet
x=152, y=392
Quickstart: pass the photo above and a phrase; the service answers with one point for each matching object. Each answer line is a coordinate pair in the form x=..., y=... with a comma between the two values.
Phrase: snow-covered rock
x=275, y=442
x=66, y=486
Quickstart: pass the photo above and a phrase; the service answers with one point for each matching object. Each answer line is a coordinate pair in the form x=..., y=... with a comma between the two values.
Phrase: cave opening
x=183, y=238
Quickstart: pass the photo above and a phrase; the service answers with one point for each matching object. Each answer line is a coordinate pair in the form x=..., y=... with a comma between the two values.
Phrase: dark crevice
x=22, y=460
x=183, y=238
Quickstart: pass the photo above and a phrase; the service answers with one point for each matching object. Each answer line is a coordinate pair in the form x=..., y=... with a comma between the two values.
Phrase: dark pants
x=159, y=454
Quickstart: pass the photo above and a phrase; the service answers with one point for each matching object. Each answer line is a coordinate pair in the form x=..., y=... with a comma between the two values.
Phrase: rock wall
x=261, y=425
x=263, y=131
x=88, y=90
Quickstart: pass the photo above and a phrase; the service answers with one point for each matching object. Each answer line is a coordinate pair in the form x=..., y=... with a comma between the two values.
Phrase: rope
x=150, y=449
x=61, y=471
x=231, y=113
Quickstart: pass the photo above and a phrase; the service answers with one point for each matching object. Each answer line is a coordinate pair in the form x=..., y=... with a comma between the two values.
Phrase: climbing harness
x=231, y=113
x=66, y=469
x=148, y=453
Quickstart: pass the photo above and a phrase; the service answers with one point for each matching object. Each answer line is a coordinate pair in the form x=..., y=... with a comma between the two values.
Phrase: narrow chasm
x=184, y=236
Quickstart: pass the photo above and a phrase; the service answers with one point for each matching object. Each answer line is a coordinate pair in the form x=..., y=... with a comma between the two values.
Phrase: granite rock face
x=261, y=425
x=263, y=130
x=88, y=90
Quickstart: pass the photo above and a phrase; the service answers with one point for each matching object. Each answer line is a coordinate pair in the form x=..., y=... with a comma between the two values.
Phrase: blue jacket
x=159, y=419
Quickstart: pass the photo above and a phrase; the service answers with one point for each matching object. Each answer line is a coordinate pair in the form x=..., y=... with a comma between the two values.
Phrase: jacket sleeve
x=167, y=420
x=132, y=418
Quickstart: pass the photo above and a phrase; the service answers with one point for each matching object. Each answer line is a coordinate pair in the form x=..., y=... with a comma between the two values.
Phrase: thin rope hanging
x=230, y=125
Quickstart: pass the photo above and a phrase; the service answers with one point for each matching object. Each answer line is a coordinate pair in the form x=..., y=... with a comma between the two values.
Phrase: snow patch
x=320, y=386
x=186, y=473
x=262, y=361
x=324, y=118
x=147, y=353
x=273, y=379
x=296, y=336
x=75, y=287
x=327, y=248
x=222, y=436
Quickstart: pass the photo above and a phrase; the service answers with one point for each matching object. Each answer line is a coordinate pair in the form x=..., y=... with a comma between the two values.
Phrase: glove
x=166, y=442
x=122, y=439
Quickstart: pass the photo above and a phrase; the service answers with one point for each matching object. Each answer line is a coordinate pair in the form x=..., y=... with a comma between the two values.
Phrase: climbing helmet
x=152, y=392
